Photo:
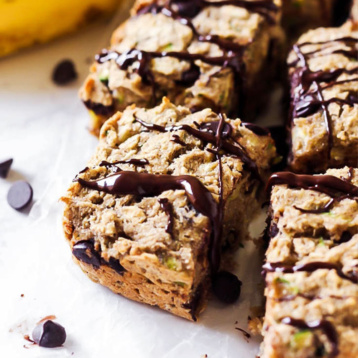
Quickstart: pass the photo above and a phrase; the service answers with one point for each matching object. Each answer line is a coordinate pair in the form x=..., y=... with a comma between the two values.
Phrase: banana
x=27, y=22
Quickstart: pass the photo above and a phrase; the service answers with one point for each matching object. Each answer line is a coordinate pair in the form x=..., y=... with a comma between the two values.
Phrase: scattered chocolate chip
x=226, y=286
x=49, y=334
x=5, y=167
x=20, y=195
x=22, y=295
x=64, y=72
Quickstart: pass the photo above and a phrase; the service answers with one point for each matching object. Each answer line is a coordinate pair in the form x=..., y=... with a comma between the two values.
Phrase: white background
x=43, y=127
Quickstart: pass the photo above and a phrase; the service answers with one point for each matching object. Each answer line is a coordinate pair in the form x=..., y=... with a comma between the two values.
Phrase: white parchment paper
x=43, y=127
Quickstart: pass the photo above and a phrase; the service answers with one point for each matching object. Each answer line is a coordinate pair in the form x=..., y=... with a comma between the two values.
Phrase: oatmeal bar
x=200, y=54
x=163, y=192
x=324, y=100
x=312, y=266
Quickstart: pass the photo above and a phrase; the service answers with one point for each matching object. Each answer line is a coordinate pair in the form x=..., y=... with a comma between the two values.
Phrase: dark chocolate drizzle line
x=232, y=60
x=254, y=128
x=144, y=184
x=191, y=8
x=177, y=140
x=223, y=130
x=167, y=207
x=207, y=133
x=308, y=267
x=133, y=161
x=326, y=184
x=185, y=10
x=324, y=325
x=309, y=297
x=307, y=101
x=325, y=209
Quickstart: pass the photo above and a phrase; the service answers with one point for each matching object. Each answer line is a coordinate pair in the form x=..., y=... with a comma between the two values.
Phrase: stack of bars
x=174, y=181
x=311, y=267
x=200, y=54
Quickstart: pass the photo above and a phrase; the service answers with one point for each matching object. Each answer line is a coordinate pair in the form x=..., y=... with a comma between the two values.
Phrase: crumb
x=22, y=295
x=255, y=325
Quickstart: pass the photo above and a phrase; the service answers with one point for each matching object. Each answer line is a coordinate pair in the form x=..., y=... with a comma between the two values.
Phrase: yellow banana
x=26, y=22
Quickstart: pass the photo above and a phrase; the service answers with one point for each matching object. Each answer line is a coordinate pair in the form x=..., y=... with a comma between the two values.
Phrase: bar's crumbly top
x=306, y=222
x=311, y=269
x=324, y=96
x=192, y=52
x=178, y=169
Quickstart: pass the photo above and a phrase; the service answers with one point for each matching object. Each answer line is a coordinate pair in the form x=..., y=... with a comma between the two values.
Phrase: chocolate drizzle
x=324, y=325
x=308, y=267
x=191, y=8
x=338, y=189
x=217, y=133
x=144, y=184
x=232, y=60
x=183, y=11
x=167, y=207
x=207, y=132
x=325, y=209
x=133, y=161
x=327, y=184
x=306, y=94
x=254, y=128
x=177, y=140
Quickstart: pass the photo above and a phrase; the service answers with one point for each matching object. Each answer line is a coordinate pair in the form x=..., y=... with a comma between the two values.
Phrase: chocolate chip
x=49, y=334
x=116, y=266
x=64, y=72
x=274, y=230
x=187, y=8
x=19, y=195
x=5, y=167
x=226, y=286
x=84, y=251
